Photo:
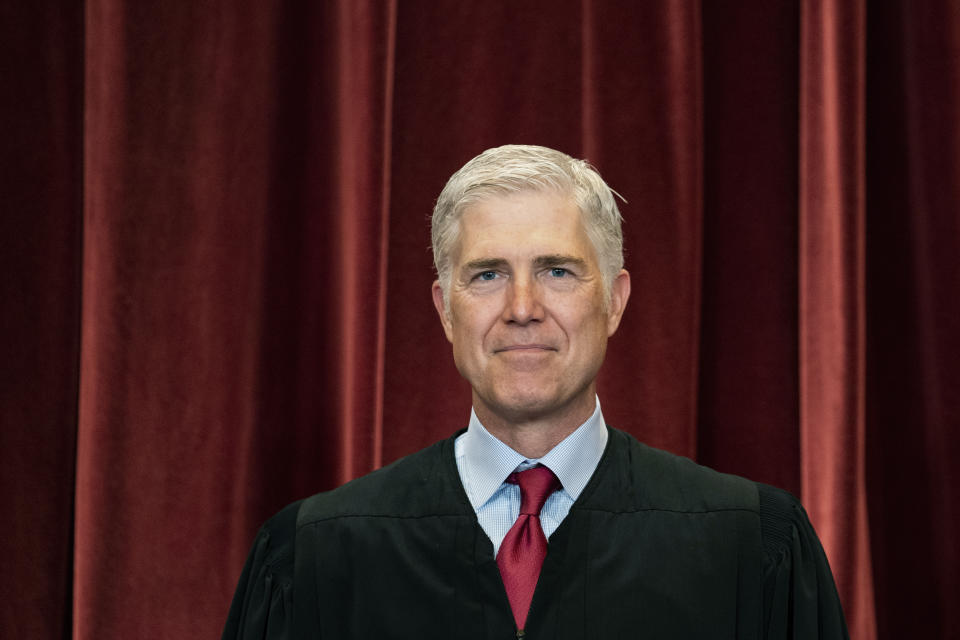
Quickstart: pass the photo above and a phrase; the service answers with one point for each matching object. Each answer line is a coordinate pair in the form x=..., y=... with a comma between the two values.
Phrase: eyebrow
x=541, y=262
x=558, y=260
x=485, y=264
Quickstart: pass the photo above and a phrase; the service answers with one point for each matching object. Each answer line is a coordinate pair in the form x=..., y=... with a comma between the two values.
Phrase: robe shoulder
x=413, y=486
x=421, y=484
x=262, y=606
x=799, y=593
x=799, y=596
x=637, y=477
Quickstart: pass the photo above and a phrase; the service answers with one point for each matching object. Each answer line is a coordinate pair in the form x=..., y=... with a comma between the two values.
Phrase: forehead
x=527, y=222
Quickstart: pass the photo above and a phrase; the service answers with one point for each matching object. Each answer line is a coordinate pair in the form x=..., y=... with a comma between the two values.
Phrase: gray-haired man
x=537, y=520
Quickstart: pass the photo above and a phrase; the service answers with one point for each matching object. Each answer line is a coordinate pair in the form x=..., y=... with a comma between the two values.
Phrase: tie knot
x=536, y=485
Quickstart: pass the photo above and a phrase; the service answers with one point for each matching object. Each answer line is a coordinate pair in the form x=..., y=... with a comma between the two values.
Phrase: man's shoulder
x=420, y=484
x=635, y=477
x=405, y=488
x=651, y=478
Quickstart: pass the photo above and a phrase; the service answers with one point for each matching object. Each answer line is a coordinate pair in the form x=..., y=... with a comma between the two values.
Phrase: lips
x=524, y=347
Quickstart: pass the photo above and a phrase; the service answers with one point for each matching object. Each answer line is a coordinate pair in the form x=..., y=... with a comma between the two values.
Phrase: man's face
x=527, y=317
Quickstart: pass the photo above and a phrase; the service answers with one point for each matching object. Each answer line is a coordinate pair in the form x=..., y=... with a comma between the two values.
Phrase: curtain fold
x=215, y=246
x=913, y=312
x=179, y=116
x=642, y=128
x=41, y=64
x=334, y=178
x=233, y=213
x=832, y=296
x=748, y=398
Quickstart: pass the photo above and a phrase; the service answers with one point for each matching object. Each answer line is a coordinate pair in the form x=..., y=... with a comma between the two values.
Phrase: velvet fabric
x=215, y=274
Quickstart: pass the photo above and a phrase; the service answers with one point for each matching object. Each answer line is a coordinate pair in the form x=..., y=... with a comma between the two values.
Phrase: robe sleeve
x=800, y=597
x=262, y=607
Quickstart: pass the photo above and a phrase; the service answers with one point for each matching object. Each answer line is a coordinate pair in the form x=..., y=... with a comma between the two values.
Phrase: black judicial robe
x=655, y=547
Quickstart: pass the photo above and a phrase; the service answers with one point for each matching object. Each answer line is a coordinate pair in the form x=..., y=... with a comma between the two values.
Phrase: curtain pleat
x=651, y=154
x=345, y=187
x=832, y=296
x=180, y=113
x=235, y=220
x=913, y=330
x=41, y=94
x=748, y=398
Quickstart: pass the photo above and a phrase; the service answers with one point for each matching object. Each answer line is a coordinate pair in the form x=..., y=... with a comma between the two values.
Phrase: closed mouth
x=525, y=347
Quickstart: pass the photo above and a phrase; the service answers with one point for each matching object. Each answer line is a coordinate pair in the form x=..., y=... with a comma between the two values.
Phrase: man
x=538, y=521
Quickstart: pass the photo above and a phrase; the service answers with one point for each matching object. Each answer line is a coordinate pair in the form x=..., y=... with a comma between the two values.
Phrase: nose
x=523, y=304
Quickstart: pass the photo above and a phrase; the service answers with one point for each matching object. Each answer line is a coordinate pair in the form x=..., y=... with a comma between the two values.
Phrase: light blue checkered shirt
x=484, y=464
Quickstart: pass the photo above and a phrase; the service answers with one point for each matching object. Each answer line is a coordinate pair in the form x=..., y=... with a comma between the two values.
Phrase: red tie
x=524, y=547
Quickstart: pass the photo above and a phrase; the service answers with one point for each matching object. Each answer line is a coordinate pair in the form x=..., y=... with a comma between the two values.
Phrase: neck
x=533, y=436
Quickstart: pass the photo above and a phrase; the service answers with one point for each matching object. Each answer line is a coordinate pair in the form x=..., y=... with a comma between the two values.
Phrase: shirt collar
x=489, y=461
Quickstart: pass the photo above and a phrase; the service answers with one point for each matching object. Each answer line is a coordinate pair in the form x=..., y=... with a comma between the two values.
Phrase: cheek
x=582, y=317
x=589, y=332
x=473, y=322
x=468, y=337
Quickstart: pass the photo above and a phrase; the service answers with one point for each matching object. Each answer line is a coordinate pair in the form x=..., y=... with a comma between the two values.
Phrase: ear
x=437, y=292
x=619, y=294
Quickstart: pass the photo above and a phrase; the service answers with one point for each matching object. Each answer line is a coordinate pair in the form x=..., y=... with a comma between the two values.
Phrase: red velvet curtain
x=216, y=277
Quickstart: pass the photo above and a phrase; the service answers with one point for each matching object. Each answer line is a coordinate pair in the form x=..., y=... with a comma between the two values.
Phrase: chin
x=520, y=404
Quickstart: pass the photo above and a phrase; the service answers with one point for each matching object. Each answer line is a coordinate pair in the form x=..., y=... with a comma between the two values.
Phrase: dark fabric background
x=215, y=270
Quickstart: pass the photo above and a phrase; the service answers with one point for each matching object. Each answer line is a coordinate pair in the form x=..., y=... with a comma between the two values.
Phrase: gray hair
x=513, y=168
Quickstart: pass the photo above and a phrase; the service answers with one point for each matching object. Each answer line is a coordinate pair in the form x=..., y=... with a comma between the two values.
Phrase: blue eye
x=558, y=272
x=487, y=275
